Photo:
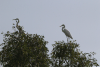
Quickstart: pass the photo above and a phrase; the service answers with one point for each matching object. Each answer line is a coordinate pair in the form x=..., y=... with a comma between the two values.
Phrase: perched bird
x=66, y=32
x=17, y=26
x=17, y=22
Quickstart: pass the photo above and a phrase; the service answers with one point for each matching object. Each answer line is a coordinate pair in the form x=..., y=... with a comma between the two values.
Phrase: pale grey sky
x=43, y=17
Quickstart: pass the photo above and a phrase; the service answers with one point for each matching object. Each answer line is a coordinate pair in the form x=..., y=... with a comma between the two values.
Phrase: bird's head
x=62, y=25
x=16, y=19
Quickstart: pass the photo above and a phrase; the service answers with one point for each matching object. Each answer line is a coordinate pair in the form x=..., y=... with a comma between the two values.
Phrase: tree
x=21, y=49
x=24, y=50
x=68, y=54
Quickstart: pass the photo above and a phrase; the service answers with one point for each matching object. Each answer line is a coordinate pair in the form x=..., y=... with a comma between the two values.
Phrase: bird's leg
x=67, y=39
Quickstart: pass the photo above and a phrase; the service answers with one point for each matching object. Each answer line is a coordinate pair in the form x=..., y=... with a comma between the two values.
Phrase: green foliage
x=68, y=54
x=24, y=50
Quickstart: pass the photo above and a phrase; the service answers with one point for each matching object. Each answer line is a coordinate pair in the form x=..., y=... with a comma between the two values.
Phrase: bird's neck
x=63, y=28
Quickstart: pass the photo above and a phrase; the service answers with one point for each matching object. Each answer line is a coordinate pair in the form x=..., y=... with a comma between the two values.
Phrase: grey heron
x=17, y=22
x=66, y=32
x=17, y=26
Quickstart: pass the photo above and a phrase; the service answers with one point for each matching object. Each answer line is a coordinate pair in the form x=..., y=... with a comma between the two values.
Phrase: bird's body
x=66, y=32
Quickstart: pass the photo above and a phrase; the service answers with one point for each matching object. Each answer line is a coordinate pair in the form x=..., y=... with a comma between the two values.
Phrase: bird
x=66, y=32
x=17, y=22
x=17, y=26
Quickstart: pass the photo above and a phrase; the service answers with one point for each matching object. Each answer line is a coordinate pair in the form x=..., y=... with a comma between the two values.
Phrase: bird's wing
x=67, y=33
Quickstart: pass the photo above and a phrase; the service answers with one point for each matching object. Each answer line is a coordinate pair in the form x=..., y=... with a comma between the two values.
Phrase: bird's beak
x=14, y=19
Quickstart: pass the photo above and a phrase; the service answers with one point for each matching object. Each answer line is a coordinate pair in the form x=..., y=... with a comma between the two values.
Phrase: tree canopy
x=21, y=49
x=24, y=50
x=68, y=54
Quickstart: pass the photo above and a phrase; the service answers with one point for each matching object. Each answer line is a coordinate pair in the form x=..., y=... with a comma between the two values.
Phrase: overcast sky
x=43, y=17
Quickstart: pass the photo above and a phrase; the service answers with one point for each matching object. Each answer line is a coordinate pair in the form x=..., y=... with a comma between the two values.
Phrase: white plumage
x=66, y=32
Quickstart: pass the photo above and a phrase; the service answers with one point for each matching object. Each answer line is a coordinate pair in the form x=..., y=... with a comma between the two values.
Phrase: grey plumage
x=17, y=21
x=18, y=27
